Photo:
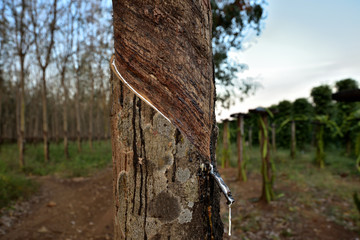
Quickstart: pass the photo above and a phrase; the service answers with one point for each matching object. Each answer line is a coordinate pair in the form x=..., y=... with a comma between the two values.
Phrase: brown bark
x=168, y=62
x=293, y=140
x=240, y=133
x=91, y=110
x=226, y=145
x=65, y=116
x=21, y=137
x=44, y=117
x=43, y=62
x=77, y=113
x=159, y=189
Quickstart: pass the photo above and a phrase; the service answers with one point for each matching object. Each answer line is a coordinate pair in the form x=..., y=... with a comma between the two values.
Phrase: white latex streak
x=138, y=94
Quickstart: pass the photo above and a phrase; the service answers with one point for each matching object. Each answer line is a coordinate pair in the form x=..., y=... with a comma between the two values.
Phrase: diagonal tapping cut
x=116, y=71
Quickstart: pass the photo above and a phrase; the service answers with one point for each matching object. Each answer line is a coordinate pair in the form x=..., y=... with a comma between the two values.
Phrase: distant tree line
x=54, y=72
x=310, y=113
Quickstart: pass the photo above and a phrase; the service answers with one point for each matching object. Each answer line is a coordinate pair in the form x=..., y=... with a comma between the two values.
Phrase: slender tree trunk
x=97, y=122
x=266, y=168
x=2, y=122
x=77, y=109
x=36, y=125
x=106, y=122
x=65, y=116
x=273, y=138
x=21, y=138
x=91, y=111
x=44, y=117
x=293, y=140
x=225, y=158
x=160, y=190
x=56, y=121
x=240, y=147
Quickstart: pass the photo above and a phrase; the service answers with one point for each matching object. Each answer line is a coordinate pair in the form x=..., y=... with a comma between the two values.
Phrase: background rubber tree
x=162, y=189
x=292, y=120
x=267, y=165
x=240, y=142
x=225, y=160
x=344, y=109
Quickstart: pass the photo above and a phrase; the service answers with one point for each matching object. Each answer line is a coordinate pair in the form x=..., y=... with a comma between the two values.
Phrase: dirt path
x=81, y=208
x=78, y=208
x=285, y=218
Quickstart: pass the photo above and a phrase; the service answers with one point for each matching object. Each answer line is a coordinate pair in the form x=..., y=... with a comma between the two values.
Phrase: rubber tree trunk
x=225, y=153
x=77, y=109
x=240, y=148
x=44, y=117
x=21, y=132
x=91, y=122
x=65, y=115
x=2, y=122
x=266, y=166
x=160, y=191
x=273, y=138
x=293, y=140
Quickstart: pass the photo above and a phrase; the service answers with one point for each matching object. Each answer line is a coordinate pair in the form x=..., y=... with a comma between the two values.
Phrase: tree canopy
x=232, y=21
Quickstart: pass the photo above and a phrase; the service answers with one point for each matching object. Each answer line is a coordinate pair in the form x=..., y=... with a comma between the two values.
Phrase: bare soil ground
x=81, y=208
x=78, y=208
x=285, y=218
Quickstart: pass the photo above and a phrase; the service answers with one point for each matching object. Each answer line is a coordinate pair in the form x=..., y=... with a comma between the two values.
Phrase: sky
x=304, y=43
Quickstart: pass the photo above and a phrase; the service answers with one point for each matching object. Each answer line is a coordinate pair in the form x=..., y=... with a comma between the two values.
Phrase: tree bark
x=91, y=110
x=77, y=112
x=160, y=190
x=240, y=147
x=21, y=137
x=65, y=116
x=225, y=157
x=44, y=117
x=293, y=140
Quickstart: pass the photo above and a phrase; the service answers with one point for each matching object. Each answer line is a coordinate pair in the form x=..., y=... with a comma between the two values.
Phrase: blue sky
x=304, y=44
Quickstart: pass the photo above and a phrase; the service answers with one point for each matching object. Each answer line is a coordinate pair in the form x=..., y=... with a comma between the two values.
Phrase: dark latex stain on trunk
x=135, y=154
x=145, y=163
x=177, y=140
x=121, y=98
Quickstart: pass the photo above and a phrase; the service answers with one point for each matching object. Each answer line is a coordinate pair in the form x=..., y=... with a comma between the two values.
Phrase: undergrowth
x=15, y=182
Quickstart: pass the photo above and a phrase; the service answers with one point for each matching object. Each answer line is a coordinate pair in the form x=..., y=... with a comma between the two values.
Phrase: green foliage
x=267, y=165
x=302, y=107
x=344, y=110
x=284, y=112
x=356, y=201
x=232, y=21
x=14, y=184
x=322, y=99
x=323, y=121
